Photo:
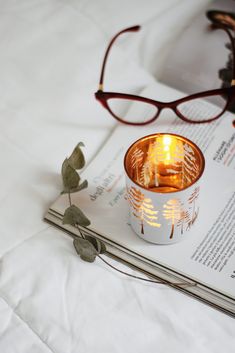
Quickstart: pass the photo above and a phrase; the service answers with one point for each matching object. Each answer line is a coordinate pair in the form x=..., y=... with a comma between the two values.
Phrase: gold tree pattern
x=145, y=174
x=136, y=161
x=184, y=219
x=142, y=208
x=173, y=212
x=189, y=166
x=192, y=200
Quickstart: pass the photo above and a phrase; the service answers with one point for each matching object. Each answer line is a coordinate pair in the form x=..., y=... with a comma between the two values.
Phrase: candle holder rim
x=147, y=137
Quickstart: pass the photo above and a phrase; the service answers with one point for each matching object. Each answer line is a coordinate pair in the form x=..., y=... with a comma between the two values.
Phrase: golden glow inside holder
x=164, y=163
x=167, y=146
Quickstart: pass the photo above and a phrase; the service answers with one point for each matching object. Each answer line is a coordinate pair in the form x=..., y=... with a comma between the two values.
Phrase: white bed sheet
x=50, y=301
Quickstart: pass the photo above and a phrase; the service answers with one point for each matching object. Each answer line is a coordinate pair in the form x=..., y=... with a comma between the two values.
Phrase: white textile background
x=50, y=301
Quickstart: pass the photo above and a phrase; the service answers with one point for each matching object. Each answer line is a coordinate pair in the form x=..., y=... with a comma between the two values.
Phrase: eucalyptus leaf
x=77, y=159
x=74, y=216
x=85, y=249
x=98, y=244
x=80, y=187
x=103, y=247
x=70, y=176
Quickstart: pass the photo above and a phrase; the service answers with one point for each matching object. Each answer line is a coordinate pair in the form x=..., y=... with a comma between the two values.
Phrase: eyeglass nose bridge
x=166, y=105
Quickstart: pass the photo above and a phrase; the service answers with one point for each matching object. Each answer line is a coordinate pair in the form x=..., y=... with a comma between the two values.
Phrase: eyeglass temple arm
x=130, y=29
x=232, y=41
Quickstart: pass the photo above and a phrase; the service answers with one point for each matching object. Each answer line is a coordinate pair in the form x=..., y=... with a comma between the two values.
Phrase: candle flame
x=167, y=142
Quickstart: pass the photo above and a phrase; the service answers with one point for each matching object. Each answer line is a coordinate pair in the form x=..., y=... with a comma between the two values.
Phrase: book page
x=208, y=253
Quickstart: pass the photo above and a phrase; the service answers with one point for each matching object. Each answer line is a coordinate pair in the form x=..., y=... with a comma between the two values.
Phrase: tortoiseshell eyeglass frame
x=228, y=93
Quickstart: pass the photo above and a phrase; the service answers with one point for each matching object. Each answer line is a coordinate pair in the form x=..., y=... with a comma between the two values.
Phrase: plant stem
x=80, y=232
x=138, y=277
x=144, y=279
x=70, y=200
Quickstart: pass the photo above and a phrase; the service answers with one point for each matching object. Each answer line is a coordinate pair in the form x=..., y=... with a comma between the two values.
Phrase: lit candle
x=162, y=172
x=165, y=156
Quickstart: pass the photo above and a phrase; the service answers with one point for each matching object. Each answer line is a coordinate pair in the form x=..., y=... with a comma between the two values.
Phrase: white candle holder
x=163, y=172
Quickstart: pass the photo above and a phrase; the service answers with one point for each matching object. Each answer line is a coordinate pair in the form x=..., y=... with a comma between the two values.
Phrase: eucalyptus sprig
x=88, y=247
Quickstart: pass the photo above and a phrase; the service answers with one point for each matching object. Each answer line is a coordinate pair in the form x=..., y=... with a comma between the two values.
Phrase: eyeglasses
x=198, y=108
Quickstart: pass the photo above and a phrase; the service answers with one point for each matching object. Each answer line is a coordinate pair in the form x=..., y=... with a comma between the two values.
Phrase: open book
x=205, y=261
